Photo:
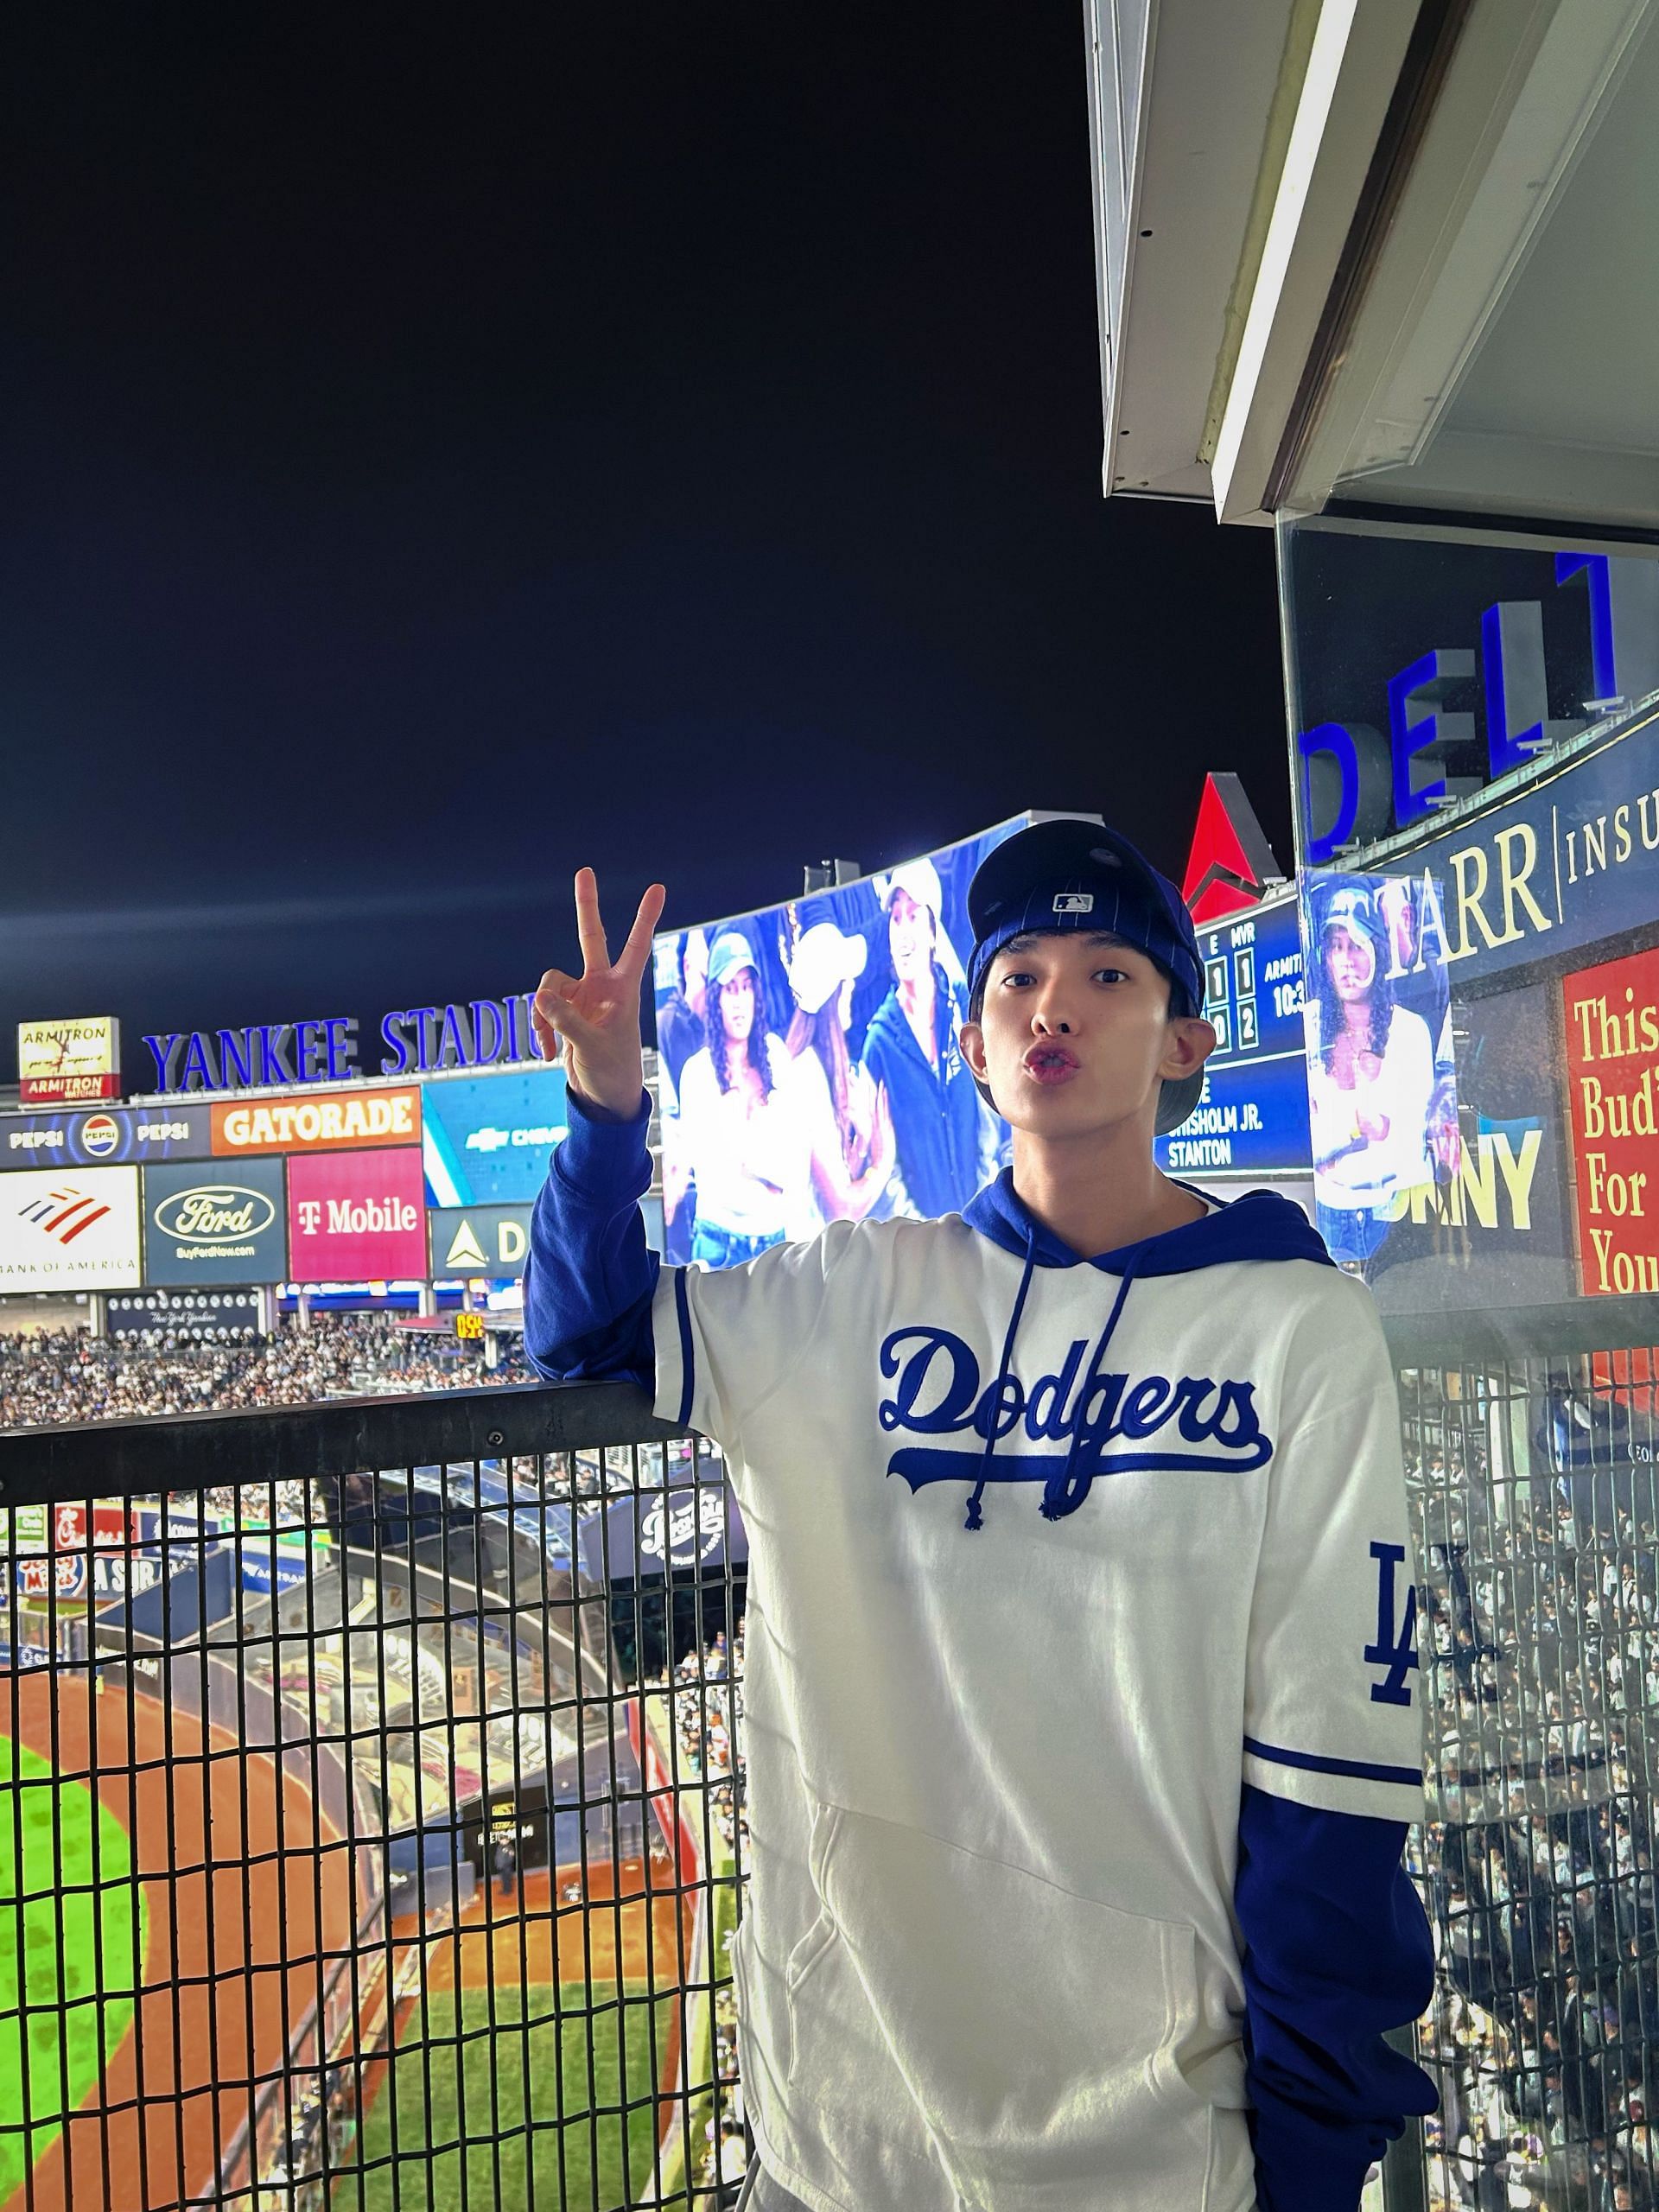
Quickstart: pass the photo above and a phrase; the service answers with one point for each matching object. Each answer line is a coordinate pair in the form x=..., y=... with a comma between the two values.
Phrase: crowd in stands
x=1540, y=1646
x=68, y=1375
x=707, y=1690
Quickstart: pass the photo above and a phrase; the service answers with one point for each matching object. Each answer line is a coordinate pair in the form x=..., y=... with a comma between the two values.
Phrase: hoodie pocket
x=1031, y=2037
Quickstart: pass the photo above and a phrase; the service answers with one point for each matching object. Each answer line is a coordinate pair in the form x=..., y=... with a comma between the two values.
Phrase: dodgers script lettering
x=1106, y=1423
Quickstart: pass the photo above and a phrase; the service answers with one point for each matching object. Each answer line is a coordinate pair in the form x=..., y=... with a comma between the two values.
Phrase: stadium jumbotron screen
x=816, y=1010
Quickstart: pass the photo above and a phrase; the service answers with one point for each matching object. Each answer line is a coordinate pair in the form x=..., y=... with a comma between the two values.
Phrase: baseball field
x=530, y=2071
x=169, y=1906
x=165, y=1901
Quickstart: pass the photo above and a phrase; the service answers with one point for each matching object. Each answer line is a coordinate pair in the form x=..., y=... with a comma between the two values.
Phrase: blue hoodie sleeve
x=590, y=1276
x=1336, y=1949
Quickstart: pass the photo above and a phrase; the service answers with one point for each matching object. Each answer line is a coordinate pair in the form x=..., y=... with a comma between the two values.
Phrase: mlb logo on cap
x=1074, y=902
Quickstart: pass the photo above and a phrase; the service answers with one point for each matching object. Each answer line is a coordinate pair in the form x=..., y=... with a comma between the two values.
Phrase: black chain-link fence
x=371, y=1822
x=1530, y=1462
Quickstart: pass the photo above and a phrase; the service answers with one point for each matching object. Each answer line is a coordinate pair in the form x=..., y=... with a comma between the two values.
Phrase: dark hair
x=714, y=1030
x=823, y=1033
x=1380, y=1010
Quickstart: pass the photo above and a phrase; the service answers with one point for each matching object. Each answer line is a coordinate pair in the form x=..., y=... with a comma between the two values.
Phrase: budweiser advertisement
x=68, y=1062
x=334, y=1122
x=1611, y=1018
x=74, y=1229
x=357, y=1217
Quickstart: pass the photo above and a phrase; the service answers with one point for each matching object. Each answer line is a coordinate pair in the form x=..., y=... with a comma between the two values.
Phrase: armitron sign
x=66, y=1063
x=337, y=1123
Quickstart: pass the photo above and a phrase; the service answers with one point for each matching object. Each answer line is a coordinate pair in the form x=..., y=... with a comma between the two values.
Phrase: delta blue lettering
x=1356, y=786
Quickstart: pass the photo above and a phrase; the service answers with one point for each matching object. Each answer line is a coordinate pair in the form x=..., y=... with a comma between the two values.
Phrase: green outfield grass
x=454, y=2117
x=72, y=1940
x=721, y=1875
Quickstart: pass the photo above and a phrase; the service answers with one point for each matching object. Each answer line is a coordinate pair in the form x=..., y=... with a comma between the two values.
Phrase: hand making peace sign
x=590, y=1022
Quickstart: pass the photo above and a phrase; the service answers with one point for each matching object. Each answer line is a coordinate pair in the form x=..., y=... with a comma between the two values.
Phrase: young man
x=911, y=1051
x=1081, y=1719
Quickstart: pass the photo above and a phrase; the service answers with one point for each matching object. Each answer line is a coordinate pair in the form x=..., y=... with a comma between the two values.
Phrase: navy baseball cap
x=1070, y=875
x=1075, y=874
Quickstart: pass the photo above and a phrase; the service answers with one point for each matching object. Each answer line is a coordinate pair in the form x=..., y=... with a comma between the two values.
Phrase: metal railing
x=353, y=1852
x=1530, y=1442
x=366, y=1850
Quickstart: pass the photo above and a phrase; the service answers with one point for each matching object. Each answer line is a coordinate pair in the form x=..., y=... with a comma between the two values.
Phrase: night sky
x=443, y=447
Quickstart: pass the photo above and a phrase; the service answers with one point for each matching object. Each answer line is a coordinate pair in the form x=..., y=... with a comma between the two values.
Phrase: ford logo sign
x=212, y=1212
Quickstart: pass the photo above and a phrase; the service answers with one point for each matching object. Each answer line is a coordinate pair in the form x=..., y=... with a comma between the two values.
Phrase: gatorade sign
x=357, y=1217
x=488, y=1241
x=333, y=1122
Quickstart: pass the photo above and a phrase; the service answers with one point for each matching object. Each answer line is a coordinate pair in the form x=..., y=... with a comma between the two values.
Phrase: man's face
x=910, y=937
x=1075, y=1035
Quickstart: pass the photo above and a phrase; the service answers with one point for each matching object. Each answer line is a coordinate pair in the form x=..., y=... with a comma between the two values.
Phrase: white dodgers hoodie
x=1048, y=1558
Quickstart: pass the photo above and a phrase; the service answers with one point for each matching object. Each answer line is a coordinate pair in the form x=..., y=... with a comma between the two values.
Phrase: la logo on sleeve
x=1398, y=1653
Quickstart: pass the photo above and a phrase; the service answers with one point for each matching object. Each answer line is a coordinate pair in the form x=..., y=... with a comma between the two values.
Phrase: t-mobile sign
x=356, y=1216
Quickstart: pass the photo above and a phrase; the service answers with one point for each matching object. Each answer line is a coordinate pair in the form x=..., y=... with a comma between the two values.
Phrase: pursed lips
x=1050, y=1063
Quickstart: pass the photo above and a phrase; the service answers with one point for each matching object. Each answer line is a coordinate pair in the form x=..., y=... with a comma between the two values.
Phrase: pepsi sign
x=105, y=1136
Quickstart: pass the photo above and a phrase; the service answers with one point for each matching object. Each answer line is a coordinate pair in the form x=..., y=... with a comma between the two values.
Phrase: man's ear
x=1188, y=1046
x=972, y=1038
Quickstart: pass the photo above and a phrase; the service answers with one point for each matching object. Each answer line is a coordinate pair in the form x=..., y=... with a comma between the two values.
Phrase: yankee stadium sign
x=470, y=1034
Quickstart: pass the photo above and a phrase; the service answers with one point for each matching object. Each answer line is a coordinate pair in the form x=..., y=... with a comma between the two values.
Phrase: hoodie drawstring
x=1060, y=1495
x=974, y=1516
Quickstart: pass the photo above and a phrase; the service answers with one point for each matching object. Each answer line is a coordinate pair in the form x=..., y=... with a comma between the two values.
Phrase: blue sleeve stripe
x=1361, y=1770
x=688, y=1371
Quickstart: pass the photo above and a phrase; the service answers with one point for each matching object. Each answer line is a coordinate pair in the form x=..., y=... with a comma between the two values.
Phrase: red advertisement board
x=66, y=1090
x=1610, y=1017
x=355, y=1217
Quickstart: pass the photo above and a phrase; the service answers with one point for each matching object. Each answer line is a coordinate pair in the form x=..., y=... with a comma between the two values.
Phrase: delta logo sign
x=357, y=1218
x=1230, y=867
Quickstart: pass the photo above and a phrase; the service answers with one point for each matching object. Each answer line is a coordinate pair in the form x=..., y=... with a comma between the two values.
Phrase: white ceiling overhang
x=1348, y=249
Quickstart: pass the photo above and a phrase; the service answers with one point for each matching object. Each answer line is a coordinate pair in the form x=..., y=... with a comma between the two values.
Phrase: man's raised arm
x=590, y=1277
